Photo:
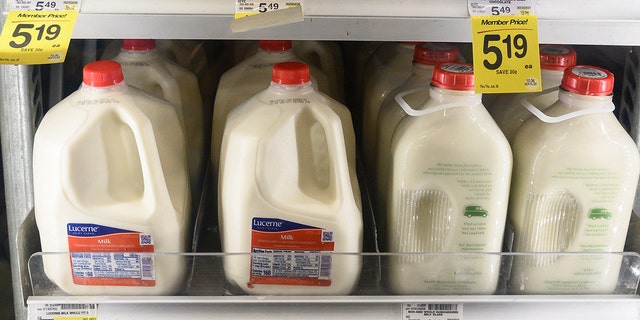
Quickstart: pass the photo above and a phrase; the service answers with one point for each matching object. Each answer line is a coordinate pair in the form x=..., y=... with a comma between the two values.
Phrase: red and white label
x=106, y=256
x=289, y=253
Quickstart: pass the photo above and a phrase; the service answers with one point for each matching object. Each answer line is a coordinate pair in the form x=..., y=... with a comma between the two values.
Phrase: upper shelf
x=612, y=22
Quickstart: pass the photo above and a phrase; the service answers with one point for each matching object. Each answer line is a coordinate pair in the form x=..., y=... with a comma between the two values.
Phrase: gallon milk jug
x=377, y=84
x=288, y=191
x=111, y=188
x=389, y=114
x=248, y=78
x=575, y=176
x=449, y=180
x=323, y=55
x=145, y=69
x=508, y=110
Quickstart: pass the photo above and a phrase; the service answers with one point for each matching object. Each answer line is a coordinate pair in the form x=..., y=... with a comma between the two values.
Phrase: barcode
x=327, y=236
x=442, y=307
x=147, y=268
x=325, y=267
x=78, y=306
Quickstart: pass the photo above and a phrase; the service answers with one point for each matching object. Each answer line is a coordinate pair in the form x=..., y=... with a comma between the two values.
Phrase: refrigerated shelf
x=614, y=22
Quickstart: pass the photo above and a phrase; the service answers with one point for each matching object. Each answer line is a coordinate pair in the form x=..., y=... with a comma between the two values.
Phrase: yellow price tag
x=506, y=55
x=36, y=37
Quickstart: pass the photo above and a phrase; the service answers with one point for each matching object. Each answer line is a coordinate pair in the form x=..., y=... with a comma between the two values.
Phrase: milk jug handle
x=549, y=119
x=468, y=102
x=155, y=187
x=170, y=88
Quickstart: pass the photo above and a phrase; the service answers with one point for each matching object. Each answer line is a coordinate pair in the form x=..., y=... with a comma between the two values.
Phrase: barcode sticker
x=63, y=311
x=432, y=311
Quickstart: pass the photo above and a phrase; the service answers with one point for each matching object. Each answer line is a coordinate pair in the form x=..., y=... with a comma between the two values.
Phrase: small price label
x=432, y=311
x=506, y=55
x=63, y=311
x=501, y=7
x=245, y=8
x=36, y=37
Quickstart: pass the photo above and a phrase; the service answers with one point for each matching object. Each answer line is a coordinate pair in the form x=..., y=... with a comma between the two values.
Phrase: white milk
x=449, y=179
x=573, y=188
x=287, y=182
x=110, y=175
x=324, y=55
x=389, y=114
x=508, y=110
x=246, y=79
x=390, y=66
x=145, y=69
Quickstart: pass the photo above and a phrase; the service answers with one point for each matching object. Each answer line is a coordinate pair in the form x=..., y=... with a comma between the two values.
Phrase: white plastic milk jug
x=246, y=79
x=575, y=176
x=378, y=83
x=145, y=69
x=288, y=191
x=323, y=55
x=111, y=188
x=508, y=110
x=449, y=177
x=389, y=113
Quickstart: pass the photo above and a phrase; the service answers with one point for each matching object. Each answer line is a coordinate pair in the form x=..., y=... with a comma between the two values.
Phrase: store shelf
x=613, y=22
x=347, y=308
x=206, y=291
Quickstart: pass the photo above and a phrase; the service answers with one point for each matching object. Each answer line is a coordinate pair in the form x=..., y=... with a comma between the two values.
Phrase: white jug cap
x=290, y=73
x=433, y=53
x=556, y=57
x=453, y=76
x=102, y=73
x=588, y=81
x=138, y=44
x=275, y=45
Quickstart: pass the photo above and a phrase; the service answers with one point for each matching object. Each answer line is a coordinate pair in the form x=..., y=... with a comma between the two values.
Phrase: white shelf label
x=432, y=311
x=45, y=5
x=63, y=311
x=502, y=7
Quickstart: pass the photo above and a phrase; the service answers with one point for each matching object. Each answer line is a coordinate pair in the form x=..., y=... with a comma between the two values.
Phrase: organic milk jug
x=111, y=188
x=508, y=111
x=449, y=177
x=390, y=113
x=575, y=176
x=288, y=191
x=145, y=69
x=248, y=78
x=377, y=84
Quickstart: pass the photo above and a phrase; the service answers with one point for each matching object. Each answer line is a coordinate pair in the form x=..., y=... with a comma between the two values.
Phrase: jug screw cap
x=275, y=45
x=556, y=57
x=453, y=76
x=588, y=80
x=102, y=73
x=290, y=73
x=433, y=53
x=138, y=44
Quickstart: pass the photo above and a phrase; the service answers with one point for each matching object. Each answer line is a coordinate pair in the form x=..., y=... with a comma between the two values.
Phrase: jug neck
x=469, y=96
x=116, y=88
x=276, y=55
x=551, y=78
x=147, y=55
x=579, y=101
x=422, y=70
x=298, y=88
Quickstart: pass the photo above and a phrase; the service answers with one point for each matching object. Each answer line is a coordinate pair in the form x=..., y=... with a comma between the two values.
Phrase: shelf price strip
x=432, y=311
x=38, y=32
x=63, y=311
x=506, y=55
